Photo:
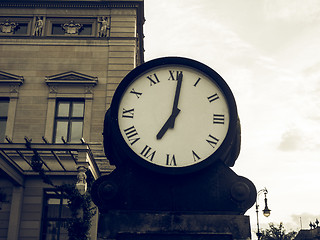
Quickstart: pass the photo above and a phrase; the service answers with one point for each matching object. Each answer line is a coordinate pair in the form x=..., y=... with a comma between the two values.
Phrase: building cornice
x=69, y=4
x=138, y=5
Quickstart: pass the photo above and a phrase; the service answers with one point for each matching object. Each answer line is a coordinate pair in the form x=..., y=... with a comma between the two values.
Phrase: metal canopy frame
x=56, y=159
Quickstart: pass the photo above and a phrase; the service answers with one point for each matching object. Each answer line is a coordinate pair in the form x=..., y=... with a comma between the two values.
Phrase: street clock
x=173, y=115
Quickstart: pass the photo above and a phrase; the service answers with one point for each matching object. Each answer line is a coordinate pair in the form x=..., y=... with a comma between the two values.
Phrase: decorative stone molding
x=88, y=89
x=53, y=89
x=71, y=4
x=72, y=27
x=11, y=79
x=14, y=82
x=8, y=26
x=71, y=78
x=14, y=88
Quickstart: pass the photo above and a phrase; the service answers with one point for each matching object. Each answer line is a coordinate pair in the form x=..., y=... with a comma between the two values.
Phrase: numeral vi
x=171, y=161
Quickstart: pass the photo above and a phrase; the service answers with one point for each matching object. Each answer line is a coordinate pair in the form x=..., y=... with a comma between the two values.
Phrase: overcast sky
x=268, y=51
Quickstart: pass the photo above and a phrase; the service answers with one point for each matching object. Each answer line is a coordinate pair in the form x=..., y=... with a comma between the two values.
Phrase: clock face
x=174, y=116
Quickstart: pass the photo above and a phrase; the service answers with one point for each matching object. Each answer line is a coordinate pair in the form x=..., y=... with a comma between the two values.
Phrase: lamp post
x=266, y=211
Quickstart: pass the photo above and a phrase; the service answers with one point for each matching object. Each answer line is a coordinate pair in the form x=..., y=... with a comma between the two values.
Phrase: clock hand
x=168, y=124
x=175, y=110
x=176, y=97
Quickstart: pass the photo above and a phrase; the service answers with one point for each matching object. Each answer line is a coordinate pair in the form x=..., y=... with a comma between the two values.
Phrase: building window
x=55, y=214
x=4, y=105
x=69, y=118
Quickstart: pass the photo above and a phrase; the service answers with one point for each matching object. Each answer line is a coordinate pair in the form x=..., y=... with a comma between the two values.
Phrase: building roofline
x=69, y=3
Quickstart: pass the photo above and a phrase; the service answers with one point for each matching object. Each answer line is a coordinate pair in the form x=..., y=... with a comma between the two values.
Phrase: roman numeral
x=212, y=141
x=218, y=119
x=197, y=82
x=132, y=135
x=171, y=161
x=213, y=97
x=173, y=76
x=195, y=156
x=138, y=94
x=127, y=113
x=147, y=152
x=153, y=79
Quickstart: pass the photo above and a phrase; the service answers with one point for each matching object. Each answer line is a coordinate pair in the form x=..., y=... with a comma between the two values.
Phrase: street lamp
x=266, y=211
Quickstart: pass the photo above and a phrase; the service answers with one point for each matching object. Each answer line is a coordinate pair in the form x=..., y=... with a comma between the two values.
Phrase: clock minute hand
x=177, y=94
x=175, y=110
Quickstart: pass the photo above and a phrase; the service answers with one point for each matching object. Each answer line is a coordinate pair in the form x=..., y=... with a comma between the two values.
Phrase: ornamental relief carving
x=8, y=26
x=41, y=26
x=38, y=26
x=14, y=88
x=72, y=28
x=104, y=28
x=88, y=89
x=53, y=89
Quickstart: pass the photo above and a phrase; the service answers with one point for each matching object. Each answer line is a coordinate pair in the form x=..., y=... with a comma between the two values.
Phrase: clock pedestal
x=132, y=225
x=215, y=189
x=209, y=204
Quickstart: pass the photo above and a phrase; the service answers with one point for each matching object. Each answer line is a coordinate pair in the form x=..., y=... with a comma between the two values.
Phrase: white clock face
x=171, y=119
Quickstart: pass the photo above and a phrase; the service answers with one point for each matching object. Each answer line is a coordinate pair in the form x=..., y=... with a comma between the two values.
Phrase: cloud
x=290, y=141
x=292, y=10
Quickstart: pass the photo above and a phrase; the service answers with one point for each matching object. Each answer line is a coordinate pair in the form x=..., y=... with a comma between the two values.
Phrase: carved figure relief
x=71, y=27
x=38, y=27
x=104, y=29
x=8, y=27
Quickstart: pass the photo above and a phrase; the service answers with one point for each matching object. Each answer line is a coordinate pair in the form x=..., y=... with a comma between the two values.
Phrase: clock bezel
x=124, y=150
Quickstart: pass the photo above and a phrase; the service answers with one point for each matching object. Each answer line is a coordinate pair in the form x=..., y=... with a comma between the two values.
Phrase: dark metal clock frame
x=126, y=153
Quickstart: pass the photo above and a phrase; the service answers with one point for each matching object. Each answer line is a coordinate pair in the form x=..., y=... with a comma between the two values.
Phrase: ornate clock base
x=137, y=225
x=216, y=189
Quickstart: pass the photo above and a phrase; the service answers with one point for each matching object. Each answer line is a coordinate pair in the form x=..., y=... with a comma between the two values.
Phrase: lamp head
x=266, y=211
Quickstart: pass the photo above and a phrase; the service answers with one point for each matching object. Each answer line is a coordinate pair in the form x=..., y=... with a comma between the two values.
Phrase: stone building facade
x=60, y=62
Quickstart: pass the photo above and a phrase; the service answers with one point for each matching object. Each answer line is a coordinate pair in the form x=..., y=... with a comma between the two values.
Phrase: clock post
x=173, y=132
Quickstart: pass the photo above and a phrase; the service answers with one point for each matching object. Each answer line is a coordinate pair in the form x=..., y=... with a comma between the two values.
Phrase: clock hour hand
x=168, y=124
x=175, y=110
